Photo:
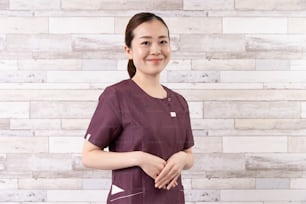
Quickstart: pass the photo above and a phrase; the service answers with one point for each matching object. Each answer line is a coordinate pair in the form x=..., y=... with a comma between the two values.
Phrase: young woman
x=145, y=125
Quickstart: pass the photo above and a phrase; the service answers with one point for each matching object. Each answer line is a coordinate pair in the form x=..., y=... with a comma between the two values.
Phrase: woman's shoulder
x=119, y=88
x=119, y=85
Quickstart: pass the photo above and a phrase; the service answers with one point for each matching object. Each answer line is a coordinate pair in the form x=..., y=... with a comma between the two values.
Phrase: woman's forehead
x=149, y=29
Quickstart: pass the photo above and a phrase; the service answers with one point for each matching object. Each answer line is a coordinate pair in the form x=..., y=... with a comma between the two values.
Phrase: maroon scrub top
x=128, y=119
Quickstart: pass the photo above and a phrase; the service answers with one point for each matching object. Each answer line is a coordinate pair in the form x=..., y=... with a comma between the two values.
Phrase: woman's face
x=150, y=48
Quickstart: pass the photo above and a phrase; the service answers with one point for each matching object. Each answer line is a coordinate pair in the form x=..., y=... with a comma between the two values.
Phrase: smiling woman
x=151, y=36
x=145, y=124
x=150, y=49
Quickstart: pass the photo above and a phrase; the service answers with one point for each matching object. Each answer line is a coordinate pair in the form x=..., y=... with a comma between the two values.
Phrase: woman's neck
x=150, y=82
x=151, y=85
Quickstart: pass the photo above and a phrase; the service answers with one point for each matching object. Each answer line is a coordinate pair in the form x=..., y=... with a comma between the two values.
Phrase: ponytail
x=131, y=68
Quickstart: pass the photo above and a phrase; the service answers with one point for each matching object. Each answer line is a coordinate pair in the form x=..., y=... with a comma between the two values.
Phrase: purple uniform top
x=128, y=119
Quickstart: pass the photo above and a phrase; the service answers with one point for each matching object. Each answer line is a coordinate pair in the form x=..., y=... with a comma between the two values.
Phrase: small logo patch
x=173, y=114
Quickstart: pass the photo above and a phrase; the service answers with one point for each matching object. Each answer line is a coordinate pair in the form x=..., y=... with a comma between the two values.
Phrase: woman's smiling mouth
x=155, y=60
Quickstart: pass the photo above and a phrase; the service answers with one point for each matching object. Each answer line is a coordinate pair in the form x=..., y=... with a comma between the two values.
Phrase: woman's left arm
x=175, y=164
x=189, y=159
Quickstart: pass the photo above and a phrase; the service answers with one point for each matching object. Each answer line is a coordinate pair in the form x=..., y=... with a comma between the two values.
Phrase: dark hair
x=135, y=21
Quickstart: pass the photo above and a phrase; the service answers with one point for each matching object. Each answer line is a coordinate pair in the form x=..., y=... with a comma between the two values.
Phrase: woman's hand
x=151, y=164
x=171, y=172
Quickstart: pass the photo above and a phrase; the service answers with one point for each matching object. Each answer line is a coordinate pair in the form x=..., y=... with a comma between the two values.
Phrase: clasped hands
x=164, y=173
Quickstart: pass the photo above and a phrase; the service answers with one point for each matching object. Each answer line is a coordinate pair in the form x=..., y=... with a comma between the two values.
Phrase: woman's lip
x=154, y=60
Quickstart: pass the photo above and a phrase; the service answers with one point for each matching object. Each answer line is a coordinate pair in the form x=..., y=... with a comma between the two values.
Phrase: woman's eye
x=145, y=43
x=163, y=42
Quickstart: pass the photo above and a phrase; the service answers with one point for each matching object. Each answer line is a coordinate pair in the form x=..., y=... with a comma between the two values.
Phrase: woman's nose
x=155, y=49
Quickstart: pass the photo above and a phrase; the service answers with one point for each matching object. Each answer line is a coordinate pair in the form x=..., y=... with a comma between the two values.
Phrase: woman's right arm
x=94, y=157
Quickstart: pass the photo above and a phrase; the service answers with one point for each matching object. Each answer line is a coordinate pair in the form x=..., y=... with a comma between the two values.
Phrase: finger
x=170, y=187
x=162, y=174
x=167, y=170
x=169, y=173
x=162, y=180
x=165, y=180
x=153, y=172
x=173, y=183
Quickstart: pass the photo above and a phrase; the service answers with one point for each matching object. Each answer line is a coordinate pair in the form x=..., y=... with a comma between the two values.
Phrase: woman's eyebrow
x=150, y=37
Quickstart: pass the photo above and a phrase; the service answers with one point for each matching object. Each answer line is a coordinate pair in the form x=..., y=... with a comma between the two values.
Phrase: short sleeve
x=105, y=124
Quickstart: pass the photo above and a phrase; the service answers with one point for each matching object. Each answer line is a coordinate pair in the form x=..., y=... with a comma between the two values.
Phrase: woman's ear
x=128, y=52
